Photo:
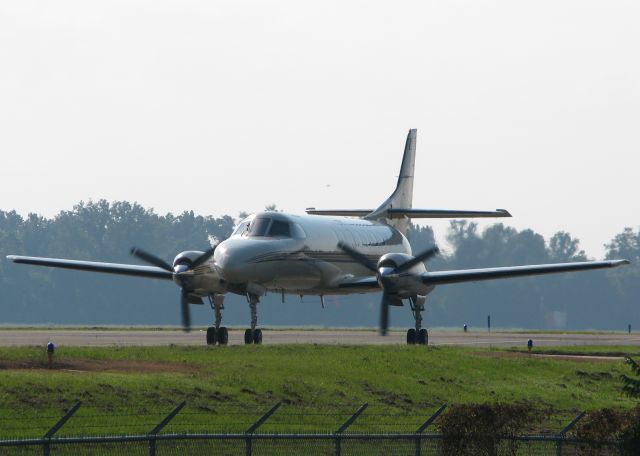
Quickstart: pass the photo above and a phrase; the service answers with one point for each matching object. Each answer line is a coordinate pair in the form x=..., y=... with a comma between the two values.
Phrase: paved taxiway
x=101, y=337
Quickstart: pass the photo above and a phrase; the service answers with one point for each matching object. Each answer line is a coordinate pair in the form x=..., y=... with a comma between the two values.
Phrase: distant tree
x=625, y=245
x=563, y=247
x=271, y=208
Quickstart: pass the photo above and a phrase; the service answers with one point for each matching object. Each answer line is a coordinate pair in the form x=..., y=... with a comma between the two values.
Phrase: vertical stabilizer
x=402, y=196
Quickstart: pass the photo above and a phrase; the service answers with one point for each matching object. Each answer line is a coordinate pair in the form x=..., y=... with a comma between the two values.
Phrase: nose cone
x=235, y=256
x=243, y=260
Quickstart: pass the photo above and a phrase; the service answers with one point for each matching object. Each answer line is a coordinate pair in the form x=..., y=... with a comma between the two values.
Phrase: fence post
x=154, y=432
x=346, y=424
x=47, y=436
x=425, y=425
x=563, y=432
x=256, y=425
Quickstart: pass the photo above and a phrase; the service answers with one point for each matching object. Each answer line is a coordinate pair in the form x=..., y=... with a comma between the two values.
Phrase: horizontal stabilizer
x=445, y=213
x=411, y=213
x=340, y=212
x=473, y=275
x=93, y=266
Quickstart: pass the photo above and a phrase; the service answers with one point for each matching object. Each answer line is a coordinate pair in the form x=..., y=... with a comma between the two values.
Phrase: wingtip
x=504, y=212
x=616, y=263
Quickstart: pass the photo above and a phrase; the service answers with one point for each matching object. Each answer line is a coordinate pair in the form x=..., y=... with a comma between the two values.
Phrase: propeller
x=176, y=271
x=385, y=274
x=184, y=310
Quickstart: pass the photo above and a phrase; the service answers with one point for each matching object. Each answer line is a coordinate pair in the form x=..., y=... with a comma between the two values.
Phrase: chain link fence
x=353, y=432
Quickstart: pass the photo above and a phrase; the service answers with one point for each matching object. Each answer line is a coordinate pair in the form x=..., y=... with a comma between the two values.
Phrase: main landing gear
x=220, y=335
x=253, y=335
x=417, y=335
x=217, y=334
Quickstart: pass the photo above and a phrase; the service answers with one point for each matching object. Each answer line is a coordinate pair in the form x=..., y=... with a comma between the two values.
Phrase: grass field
x=129, y=389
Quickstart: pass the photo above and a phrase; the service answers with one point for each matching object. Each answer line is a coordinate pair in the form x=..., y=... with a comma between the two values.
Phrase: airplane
x=323, y=252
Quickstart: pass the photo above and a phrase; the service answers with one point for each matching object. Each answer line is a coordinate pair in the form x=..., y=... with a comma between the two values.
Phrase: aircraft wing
x=472, y=275
x=109, y=268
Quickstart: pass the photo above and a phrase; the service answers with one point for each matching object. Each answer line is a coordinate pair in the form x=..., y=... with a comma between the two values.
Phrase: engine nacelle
x=187, y=257
x=394, y=260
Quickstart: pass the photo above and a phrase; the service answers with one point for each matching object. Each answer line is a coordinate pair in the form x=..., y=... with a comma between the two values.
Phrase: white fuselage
x=298, y=254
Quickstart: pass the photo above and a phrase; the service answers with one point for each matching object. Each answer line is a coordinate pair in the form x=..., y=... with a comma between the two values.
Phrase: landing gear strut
x=253, y=335
x=217, y=334
x=417, y=335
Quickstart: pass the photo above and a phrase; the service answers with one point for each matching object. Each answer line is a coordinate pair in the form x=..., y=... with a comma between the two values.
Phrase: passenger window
x=279, y=229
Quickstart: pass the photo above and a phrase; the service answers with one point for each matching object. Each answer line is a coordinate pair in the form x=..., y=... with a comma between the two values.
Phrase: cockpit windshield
x=273, y=227
x=279, y=228
x=259, y=226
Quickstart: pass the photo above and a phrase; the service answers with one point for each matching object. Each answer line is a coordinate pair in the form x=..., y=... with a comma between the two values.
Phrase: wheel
x=423, y=337
x=411, y=336
x=247, y=337
x=211, y=335
x=257, y=336
x=223, y=336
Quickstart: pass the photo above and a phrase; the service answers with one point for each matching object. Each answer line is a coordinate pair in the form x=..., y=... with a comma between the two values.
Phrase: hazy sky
x=225, y=106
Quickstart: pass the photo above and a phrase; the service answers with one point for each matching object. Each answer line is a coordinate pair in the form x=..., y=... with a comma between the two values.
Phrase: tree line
x=104, y=231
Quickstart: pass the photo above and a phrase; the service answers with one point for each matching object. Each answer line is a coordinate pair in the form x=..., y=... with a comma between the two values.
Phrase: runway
x=151, y=337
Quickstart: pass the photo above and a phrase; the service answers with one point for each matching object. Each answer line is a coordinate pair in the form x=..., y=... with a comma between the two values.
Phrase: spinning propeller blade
x=151, y=259
x=384, y=314
x=359, y=257
x=422, y=257
x=203, y=258
x=184, y=309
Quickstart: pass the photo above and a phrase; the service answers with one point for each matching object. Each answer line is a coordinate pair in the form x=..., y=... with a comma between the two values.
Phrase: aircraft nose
x=233, y=258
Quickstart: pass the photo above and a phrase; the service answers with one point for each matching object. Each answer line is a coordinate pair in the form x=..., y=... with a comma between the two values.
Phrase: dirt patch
x=585, y=358
x=90, y=365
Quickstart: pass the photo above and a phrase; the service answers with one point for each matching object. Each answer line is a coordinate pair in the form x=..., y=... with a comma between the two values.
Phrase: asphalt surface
x=102, y=337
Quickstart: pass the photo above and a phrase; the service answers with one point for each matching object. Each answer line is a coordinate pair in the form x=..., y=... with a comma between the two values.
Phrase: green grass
x=228, y=388
x=588, y=350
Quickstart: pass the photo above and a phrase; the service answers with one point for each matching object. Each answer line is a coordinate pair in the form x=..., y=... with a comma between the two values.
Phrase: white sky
x=223, y=106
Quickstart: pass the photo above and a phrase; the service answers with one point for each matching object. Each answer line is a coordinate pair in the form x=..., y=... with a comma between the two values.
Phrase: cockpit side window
x=279, y=228
x=242, y=229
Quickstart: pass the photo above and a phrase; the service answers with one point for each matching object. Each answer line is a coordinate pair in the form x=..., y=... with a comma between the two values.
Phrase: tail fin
x=402, y=196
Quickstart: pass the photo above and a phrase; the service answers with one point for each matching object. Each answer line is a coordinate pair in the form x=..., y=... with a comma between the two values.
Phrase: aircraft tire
x=211, y=335
x=423, y=337
x=411, y=336
x=223, y=336
x=247, y=337
x=257, y=337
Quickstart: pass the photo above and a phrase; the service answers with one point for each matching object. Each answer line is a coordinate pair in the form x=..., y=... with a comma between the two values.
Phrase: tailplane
x=397, y=210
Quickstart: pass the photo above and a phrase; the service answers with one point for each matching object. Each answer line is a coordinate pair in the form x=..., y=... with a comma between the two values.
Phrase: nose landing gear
x=253, y=335
x=417, y=335
x=217, y=334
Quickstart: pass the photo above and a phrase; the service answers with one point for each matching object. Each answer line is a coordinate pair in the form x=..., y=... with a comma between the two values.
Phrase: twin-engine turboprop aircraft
x=321, y=253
